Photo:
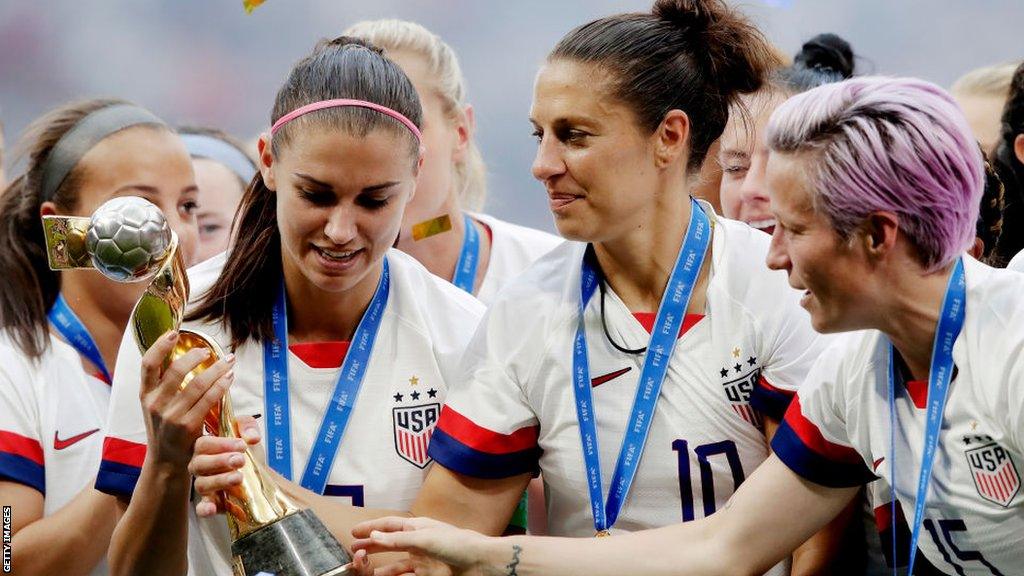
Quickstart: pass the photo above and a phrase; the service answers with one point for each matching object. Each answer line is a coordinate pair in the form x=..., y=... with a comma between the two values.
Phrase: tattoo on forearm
x=511, y=566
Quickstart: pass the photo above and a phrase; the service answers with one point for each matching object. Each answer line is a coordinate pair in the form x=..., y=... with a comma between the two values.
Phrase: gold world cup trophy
x=128, y=240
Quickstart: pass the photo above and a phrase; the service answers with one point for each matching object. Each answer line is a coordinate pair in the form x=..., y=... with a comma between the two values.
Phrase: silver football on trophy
x=128, y=238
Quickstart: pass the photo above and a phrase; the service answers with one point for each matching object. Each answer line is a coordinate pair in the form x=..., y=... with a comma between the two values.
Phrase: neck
x=910, y=317
x=106, y=326
x=440, y=253
x=637, y=265
x=315, y=315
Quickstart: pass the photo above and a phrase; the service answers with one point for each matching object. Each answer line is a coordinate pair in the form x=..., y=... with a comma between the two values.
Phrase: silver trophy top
x=128, y=238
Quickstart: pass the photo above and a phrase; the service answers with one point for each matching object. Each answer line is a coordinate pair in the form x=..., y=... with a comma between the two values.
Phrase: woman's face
x=743, y=156
x=141, y=161
x=832, y=272
x=445, y=138
x=593, y=158
x=340, y=200
x=220, y=191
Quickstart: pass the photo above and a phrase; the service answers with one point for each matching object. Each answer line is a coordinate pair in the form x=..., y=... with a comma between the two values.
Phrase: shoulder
x=740, y=254
x=203, y=276
x=537, y=303
x=994, y=326
x=16, y=366
x=741, y=272
x=425, y=300
x=513, y=237
x=1017, y=263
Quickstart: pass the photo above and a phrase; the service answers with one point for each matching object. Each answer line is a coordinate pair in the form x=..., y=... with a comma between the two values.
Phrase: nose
x=753, y=189
x=548, y=162
x=778, y=251
x=340, y=227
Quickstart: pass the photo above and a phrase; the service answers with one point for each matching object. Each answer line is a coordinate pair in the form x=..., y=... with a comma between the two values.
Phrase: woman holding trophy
x=61, y=330
x=311, y=271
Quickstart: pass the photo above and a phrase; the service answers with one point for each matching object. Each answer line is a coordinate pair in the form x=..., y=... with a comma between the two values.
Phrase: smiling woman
x=59, y=331
x=311, y=270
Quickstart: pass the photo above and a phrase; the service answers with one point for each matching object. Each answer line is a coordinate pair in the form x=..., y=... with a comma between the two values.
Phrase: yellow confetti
x=251, y=5
x=431, y=227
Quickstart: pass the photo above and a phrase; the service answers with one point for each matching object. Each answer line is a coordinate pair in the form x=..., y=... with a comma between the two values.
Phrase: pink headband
x=342, y=102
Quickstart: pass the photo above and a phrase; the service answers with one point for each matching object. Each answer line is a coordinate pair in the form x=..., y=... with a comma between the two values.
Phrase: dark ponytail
x=29, y=286
x=1011, y=171
x=243, y=296
x=697, y=56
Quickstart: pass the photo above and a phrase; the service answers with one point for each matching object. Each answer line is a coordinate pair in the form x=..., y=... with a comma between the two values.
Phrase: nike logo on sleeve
x=59, y=444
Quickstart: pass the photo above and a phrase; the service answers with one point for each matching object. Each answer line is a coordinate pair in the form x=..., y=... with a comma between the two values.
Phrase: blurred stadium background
x=207, y=62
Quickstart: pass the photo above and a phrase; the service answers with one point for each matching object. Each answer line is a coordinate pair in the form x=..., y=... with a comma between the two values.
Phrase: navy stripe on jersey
x=21, y=460
x=447, y=451
x=23, y=471
x=801, y=446
x=116, y=478
x=769, y=400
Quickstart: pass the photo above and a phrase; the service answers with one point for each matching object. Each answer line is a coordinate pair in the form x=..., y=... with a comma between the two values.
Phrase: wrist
x=497, y=556
x=167, y=471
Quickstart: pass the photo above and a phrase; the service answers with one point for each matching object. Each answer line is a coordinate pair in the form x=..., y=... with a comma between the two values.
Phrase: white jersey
x=513, y=249
x=382, y=458
x=1016, y=263
x=837, y=433
x=52, y=414
x=514, y=412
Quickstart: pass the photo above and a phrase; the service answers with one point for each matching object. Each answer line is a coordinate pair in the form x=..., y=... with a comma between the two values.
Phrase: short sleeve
x=792, y=346
x=487, y=429
x=21, y=447
x=124, y=446
x=812, y=439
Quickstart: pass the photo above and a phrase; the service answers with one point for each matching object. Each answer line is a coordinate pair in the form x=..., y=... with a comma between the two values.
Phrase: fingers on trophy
x=128, y=239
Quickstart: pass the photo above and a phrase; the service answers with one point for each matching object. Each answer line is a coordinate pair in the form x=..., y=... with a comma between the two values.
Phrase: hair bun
x=346, y=41
x=695, y=15
x=827, y=52
x=736, y=55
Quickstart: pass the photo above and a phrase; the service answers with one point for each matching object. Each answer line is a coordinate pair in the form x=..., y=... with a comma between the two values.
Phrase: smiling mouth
x=340, y=256
x=558, y=201
x=766, y=225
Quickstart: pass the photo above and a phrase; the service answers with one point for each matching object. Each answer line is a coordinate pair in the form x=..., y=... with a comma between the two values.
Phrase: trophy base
x=296, y=545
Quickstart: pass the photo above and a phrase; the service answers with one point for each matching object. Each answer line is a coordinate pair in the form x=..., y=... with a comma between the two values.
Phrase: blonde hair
x=449, y=84
x=991, y=80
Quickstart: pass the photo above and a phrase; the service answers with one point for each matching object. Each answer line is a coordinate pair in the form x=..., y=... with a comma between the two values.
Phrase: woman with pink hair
x=875, y=184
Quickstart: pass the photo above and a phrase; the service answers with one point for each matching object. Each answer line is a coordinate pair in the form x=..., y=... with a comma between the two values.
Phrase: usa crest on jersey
x=995, y=475
x=737, y=391
x=414, y=425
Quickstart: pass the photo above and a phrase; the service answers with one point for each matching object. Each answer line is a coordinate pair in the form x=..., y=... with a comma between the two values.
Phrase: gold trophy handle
x=257, y=501
x=126, y=239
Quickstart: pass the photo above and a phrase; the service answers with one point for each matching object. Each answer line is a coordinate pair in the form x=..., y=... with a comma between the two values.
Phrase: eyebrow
x=321, y=184
x=728, y=153
x=151, y=190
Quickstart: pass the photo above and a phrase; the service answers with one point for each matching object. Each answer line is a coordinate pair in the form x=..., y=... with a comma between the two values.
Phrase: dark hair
x=30, y=287
x=990, y=215
x=824, y=59
x=242, y=297
x=1011, y=171
x=691, y=55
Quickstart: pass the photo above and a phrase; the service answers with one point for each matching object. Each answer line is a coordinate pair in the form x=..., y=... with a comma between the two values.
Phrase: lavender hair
x=888, y=144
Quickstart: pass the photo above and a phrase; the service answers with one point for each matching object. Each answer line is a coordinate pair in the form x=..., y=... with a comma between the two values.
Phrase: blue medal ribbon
x=465, y=268
x=954, y=305
x=669, y=320
x=338, y=412
x=76, y=334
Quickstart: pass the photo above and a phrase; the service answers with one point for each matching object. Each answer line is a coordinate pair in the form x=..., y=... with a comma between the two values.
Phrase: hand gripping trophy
x=128, y=240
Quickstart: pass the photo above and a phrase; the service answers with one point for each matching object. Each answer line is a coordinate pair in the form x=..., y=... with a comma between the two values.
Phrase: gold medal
x=602, y=534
